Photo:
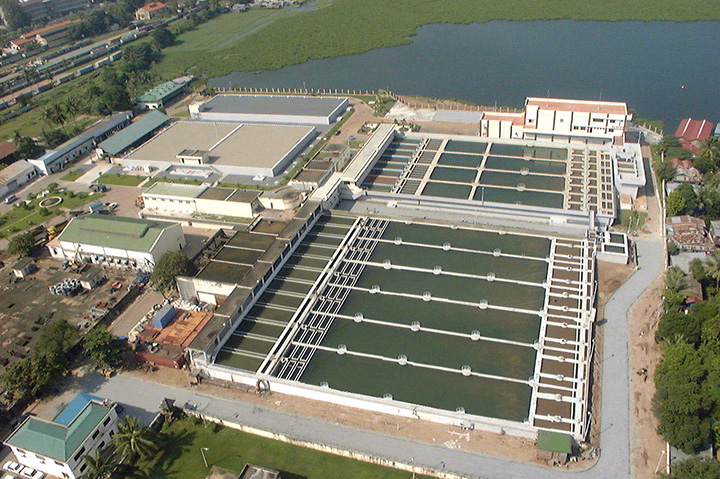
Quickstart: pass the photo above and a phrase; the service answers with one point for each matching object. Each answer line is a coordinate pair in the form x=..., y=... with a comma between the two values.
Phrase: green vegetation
x=687, y=401
x=170, y=265
x=121, y=180
x=631, y=221
x=22, y=244
x=232, y=449
x=26, y=216
x=355, y=26
x=34, y=375
x=103, y=348
x=163, y=179
x=73, y=175
x=695, y=468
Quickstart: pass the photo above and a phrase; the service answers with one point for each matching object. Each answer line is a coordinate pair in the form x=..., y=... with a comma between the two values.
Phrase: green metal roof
x=126, y=137
x=161, y=92
x=133, y=234
x=554, y=441
x=56, y=440
x=175, y=189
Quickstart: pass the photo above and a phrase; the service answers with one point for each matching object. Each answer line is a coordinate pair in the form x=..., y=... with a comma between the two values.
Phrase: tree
x=170, y=265
x=678, y=326
x=679, y=403
x=710, y=149
x=27, y=148
x=665, y=170
x=22, y=244
x=668, y=142
x=57, y=338
x=163, y=37
x=133, y=442
x=102, y=347
x=695, y=468
x=99, y=466
x=697, y=269
x=683, y=200
x=712, y=267
x=14, y=16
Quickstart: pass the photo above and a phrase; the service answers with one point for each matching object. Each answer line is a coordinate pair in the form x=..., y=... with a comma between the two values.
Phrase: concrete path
x=142, y=399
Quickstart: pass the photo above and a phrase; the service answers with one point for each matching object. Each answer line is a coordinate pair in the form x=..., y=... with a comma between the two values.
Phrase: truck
x=96, y=207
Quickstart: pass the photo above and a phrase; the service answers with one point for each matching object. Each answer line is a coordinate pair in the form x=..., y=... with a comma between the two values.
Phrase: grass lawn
x=120, y=180
x=21, y=219
x=182, y=181
x=73, y=175
x=632, y=219
x=232, y=449
x=236, y=42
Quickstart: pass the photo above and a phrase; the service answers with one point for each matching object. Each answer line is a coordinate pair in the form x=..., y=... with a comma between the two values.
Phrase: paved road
x=143, y=398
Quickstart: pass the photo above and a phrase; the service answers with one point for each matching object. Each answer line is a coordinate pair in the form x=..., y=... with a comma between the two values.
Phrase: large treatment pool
x=430, y=315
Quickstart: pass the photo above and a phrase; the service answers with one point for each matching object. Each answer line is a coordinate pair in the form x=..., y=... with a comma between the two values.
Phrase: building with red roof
x=692, y=132
x=150, y=11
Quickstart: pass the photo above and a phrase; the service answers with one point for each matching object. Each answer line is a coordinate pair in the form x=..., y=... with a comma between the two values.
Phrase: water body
x=663, y=70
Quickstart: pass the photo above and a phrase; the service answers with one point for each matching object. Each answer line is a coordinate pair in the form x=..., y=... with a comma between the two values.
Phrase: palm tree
x=710, y=149
x=676, y=282
x=99, y=466
x=134, y=442
x=712, y=267
x=667, y=142
x=72, y=106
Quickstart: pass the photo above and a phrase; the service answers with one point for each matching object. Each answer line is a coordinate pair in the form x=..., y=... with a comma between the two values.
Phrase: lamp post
x=202, y=453
x=412, y=459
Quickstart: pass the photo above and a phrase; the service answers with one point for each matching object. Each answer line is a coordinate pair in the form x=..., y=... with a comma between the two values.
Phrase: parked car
x=13, y=467
x=31, y=473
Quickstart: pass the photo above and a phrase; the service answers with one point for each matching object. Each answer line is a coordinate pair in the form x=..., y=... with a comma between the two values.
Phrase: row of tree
x=685, y=199
x=687, y=379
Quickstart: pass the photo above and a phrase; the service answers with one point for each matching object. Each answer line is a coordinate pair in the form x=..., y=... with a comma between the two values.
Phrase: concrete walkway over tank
x=142, y=399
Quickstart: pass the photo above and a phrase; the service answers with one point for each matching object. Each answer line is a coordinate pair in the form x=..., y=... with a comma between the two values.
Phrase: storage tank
x=163, y=316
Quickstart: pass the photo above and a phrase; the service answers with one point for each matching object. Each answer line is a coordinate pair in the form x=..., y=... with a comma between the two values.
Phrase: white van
x=10, y=199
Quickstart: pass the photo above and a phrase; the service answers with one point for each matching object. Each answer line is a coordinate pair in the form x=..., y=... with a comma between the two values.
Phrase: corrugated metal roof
x=132, y=234
x=92, y=133
x=127, y=137
x=162, y=91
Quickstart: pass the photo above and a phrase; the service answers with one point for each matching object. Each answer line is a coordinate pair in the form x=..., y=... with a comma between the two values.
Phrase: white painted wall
x=75, y=466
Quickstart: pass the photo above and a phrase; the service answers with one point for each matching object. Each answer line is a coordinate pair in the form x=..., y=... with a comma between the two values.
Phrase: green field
x=73, y=175
x=231, y=449
x=120, y=180
x=348, y=27
x=22, y=218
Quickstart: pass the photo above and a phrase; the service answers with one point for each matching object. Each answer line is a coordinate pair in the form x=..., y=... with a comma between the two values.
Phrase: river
x=663, y=70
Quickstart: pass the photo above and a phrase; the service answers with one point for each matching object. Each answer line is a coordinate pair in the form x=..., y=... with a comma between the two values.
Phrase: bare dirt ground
x=649, y=447
x=448, y=128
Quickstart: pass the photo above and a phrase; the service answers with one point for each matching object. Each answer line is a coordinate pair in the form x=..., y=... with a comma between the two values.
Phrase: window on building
x=58, y=463
x=102, y=444
x=83, y=467
x=65, y=475
x=106, y=421
x=95, y=434
x=79, y=453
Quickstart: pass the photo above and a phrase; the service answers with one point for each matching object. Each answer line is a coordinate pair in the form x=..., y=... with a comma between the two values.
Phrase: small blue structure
x=74, y=408
x=163, y=316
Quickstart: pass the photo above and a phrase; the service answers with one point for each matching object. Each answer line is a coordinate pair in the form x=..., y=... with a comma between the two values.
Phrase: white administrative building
x=59, y=447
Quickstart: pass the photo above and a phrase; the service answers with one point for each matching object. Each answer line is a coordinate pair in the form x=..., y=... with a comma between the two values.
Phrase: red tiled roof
x=694, y=130
x=7, y=148
x=687, y=163
x=152, y=6
x=515, y=118
x=677, y=162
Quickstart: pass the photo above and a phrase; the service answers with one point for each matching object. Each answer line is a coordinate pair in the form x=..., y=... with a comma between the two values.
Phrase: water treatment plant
x=400, y=286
